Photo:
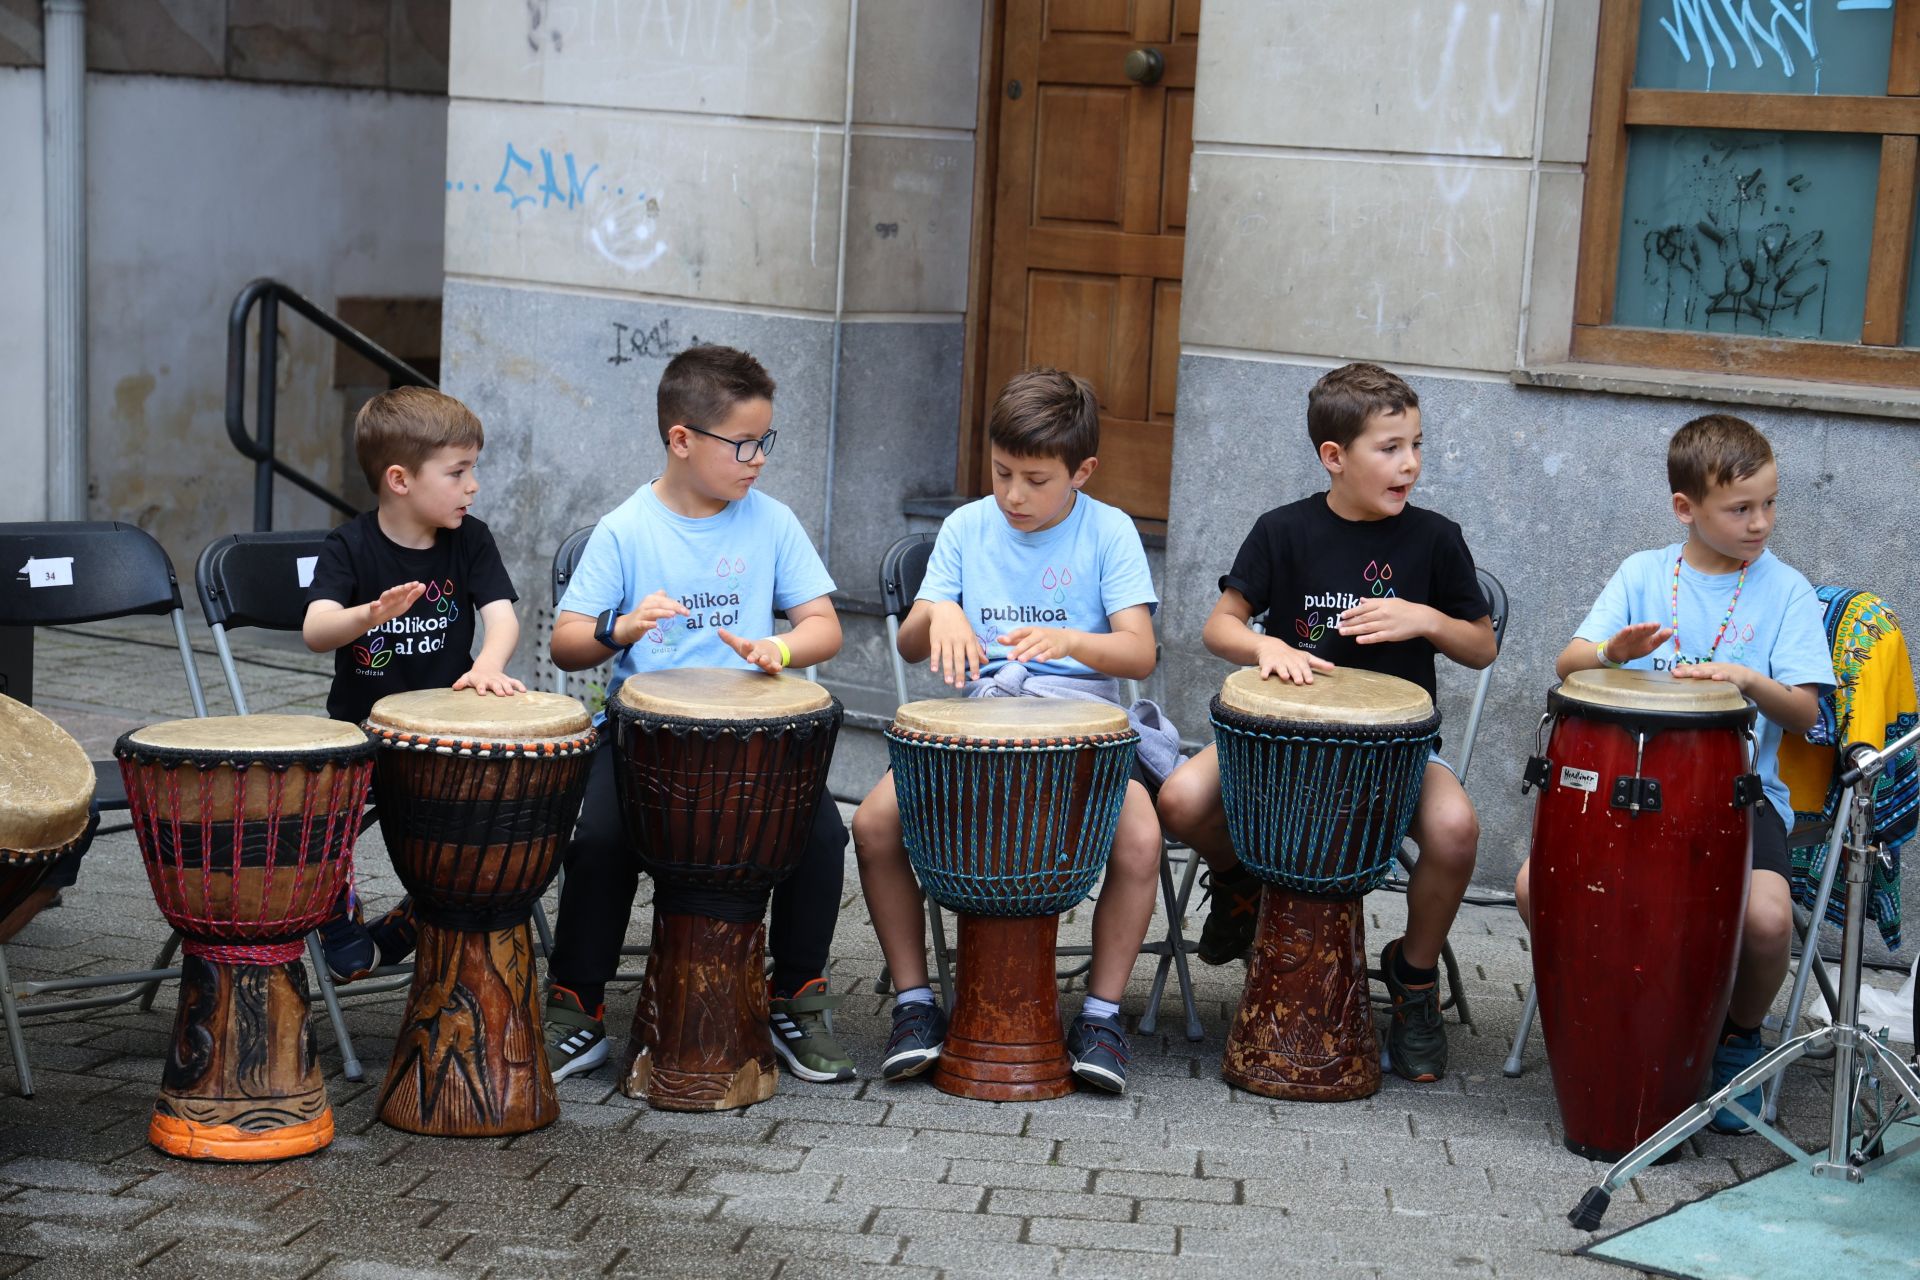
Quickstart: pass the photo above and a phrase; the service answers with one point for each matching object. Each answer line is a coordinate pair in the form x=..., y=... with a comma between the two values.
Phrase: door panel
x=1080, y=163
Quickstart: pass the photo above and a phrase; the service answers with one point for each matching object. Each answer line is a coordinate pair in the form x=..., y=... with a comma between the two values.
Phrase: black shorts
x=1770, y=842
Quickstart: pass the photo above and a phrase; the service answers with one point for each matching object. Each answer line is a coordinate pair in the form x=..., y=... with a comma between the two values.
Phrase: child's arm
x=330, y=624
x=1385, y=621
x=573, y=647
x=1792, y=707
x=1228, y=634
x=937, y=632
x=1125, y=653
x=488, y=673
x=815, y=637
x=1635, y=640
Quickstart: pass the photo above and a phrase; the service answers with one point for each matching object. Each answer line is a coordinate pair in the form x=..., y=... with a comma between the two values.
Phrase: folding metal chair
x=63, y=574
x=901, y=571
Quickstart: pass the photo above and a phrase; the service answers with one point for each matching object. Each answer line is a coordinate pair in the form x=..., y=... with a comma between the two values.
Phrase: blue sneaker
x=348, y=947
x=1098, y=1048
x=1735, y=1054
x=919, y=1031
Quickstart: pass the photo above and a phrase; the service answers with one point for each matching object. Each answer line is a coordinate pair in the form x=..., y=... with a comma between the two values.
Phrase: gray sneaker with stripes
x=576, y=1039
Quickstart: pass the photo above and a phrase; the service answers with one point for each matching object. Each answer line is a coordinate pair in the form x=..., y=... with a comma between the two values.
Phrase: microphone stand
x=1856, y=1136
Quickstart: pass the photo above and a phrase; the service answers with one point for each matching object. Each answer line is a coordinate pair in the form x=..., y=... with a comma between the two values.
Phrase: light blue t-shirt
x=1776, y=628
x=730, y=570
x=1077, y=574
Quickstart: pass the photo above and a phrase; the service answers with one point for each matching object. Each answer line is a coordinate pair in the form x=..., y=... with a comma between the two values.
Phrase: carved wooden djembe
x=719, y=773
x=246, y=825
x=1008, y=808
x=477, y=797
x=1319, y=783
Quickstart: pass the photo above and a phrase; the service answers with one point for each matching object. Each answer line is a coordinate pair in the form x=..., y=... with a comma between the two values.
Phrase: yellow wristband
x=1600, y=652
x=786, y=654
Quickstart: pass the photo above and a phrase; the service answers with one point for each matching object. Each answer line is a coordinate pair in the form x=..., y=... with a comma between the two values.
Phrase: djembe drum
x=1641, y=848
x=477, y=797
x=1319, y=783
x=46, y=798
x=719, y=773
x=1008, y=808
x=246, y=825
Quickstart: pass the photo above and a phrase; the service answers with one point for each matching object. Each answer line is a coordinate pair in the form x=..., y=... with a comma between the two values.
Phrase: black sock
x=1410, y=976
x=1730, y=1029
x=1235, y=876
x=592, y=996
x=788, y=981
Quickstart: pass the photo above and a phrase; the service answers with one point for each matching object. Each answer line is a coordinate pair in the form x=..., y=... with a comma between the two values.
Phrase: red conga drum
x=46, y=794
x=1319, y=782
x=477, y=797
x=1008, y=808
x=719, y=773
x=246, y=825
x=1639, y=879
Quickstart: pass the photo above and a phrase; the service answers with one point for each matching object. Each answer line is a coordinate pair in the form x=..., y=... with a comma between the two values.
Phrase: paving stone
x=975, y=1146
x=1083, y=1234
x=808, y=1185
x=82, y=1206
x=652, y=1264
x=909, y=1165
x=783, y=1211
x=1059, y=1204
x=810, y=1133
x=1002, y=1119
x=1115, y=1155
x=533, y=1258
x=923, y=1223
x=908, y=1194
x=823, y=1244
x=986, y=1256
x=69, y=1175
x=1038, y=1177
x=1218, y=1217
x=1163, y=1186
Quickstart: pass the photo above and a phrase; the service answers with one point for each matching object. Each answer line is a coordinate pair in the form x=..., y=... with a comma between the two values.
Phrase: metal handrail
x=268, y=294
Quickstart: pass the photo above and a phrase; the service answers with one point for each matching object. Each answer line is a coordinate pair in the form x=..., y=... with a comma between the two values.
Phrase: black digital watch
x=603, y=629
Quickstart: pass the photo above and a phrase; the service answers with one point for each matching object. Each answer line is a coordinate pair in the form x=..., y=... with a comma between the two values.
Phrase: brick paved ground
x=1181, y=1177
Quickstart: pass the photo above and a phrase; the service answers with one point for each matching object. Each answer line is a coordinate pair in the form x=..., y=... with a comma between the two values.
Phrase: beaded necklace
x=1739, y=582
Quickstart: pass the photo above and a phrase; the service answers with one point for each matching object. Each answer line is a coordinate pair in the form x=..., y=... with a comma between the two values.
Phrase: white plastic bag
x=1879, y=1008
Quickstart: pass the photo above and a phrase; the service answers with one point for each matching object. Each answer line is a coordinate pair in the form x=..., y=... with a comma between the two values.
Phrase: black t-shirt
x=431, y=645
x=1302, y=566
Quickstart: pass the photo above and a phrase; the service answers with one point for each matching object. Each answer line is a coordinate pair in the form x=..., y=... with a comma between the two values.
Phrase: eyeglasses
x=743, y=450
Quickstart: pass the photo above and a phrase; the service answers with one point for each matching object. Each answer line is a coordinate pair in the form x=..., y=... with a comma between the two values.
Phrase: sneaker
x=1228, y=932
x=800, y=1026
x=919, y=1030
x=1098, y=1048
x=1417, y=1038
x=395, y=933
x=348, y=948
x=576, y=1039
x=1735, y=1054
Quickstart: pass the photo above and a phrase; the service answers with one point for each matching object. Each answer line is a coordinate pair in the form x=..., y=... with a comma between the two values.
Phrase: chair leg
x=1511, y=1068
x=942, y=958
x=1456, y=990
x=543, y=931
x=19, y=1042
x=1810, y=962
x=165, y=961
x=349, y=1061
x=1173, y=951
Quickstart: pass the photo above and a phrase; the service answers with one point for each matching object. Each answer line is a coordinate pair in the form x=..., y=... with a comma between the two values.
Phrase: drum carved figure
x=1319, y=784
x=719, y=773
x=1639, y=869
x=1008, y=808
x=246, y=825
x=477, y=797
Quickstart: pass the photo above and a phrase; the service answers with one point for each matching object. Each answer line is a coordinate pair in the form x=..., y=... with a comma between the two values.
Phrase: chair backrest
x=567, y=559
x=901, y=571
x=1497, y=606
x=257, y=579
x=55, y=573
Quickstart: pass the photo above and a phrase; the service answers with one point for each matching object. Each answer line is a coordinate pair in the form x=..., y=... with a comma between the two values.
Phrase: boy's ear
x=1333, y=457
x=1683, y=509
x=396, y=479
x=679, y=440
x=1083, y=472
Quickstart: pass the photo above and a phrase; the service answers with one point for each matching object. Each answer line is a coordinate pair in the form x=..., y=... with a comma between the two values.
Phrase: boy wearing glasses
x=688, y=573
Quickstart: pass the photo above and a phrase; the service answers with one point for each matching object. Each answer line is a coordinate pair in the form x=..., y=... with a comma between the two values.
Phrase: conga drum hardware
x=1642, y=831
x=46, y=799
x=478, y=797
x=1008, y=808
x=718, y=773
x=246, y=825
x=1319, y=783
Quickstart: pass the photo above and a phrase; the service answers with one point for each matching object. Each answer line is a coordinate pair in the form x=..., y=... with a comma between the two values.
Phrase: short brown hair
x=1045, y=413
x=1341, y=402
x=1715, y=449
x=704, y=384
x=406, y=426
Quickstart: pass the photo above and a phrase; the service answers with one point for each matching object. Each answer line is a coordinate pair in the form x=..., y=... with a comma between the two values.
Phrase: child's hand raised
x=1386, y=621
x=482, y=680
x=957, y=651
x=1636, y=640
x=654, y=608
x=1275, y=657
x=393, y=602
x=764, y=654
x=1039, y=644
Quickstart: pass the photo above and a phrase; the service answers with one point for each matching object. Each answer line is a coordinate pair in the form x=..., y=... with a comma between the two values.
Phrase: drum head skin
x=468, y=715
x=717, y=693
x=1011, y=719
x=1345, y=695
x=251, y=737
x=1633, y=690
x=46, y=782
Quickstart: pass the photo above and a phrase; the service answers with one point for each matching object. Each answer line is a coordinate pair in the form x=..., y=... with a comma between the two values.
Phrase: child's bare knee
x=876, y=830
x=1769, y=925
x=1183, y=805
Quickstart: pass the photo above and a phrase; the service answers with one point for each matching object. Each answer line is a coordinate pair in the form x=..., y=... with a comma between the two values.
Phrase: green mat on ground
x=1786, y=1223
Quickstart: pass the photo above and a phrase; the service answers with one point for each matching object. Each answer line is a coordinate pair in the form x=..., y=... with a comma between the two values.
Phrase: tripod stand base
x=1600, y=1156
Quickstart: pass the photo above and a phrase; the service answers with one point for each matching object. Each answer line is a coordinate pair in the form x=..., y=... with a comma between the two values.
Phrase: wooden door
x=1089, y=220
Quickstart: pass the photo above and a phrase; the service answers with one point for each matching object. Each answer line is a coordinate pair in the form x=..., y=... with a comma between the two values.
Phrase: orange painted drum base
x=242, y=1079
x=1304, y=1030
x=1004, y=1043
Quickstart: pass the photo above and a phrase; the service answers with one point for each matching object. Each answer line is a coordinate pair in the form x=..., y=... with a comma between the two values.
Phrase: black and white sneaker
x=1098, y=1048
x=919, y=1031
x=576, y=1039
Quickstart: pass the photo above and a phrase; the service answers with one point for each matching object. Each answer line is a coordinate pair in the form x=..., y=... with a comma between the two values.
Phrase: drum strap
x=735, y=906
x=263, y=954
x=478, y=918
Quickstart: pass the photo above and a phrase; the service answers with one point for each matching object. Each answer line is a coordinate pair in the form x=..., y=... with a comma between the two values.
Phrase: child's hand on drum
x=393, y=602
x=1275, y=657
x=1038, y=644
x=764, y=654
x=483, y=680
x=957, y=650
x=1387, y=621
x=1727, y=672
x=1636, y=641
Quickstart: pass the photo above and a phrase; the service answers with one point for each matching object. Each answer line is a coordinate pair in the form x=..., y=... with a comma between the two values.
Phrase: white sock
x=914, y=995
x=1095, y=1007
